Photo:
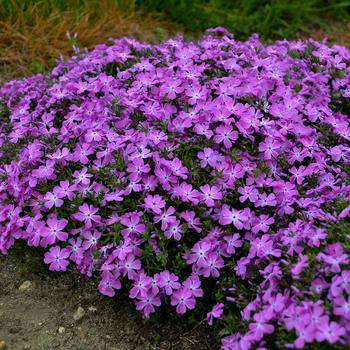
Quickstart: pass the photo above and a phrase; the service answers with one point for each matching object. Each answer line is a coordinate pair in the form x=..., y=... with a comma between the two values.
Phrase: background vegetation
x=33, y=32
x=272, y=19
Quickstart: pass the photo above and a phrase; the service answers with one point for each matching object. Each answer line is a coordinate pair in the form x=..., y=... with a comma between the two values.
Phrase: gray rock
x=92, y=309
x=79, y=314
x=25, y=286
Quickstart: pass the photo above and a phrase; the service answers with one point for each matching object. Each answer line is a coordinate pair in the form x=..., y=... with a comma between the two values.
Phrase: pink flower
x=216, y=312
x=133, y=224
x=156, y=203
x=183, y=300
x=109, y=283
x=57, y=258
x=87, y=214
x=168, y=281
x=193, y=283
x=146, y=303
x=141, y=286
x=130, y=265
x=232, y=242
x=331, y=332
x=192, y=220
x=166, y=218
x=225, y=134
x=174, y=230
x=53, y=199
x=54, y=232
x=210, y=194
x=262, y=223
x=65, y=190
x=260, y=327
x=232, y=216
x=270, y=148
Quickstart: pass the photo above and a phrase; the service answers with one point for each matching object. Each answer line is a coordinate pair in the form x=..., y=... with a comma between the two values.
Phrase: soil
x=39, y=315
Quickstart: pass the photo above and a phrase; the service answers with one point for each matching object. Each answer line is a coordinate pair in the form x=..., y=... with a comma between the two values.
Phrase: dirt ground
x=40, y=315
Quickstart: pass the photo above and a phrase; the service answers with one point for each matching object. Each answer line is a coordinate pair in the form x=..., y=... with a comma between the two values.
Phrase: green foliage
x=270, y=18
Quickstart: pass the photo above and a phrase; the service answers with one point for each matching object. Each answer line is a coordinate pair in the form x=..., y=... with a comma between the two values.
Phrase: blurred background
x=33, y=33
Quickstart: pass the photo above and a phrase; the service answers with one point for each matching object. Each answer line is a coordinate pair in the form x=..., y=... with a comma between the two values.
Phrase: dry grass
x=336, y=32
x=33, y=32
x=31, y=38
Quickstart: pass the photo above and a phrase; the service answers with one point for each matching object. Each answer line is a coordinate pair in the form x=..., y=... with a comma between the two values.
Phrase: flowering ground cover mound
x=204, y=177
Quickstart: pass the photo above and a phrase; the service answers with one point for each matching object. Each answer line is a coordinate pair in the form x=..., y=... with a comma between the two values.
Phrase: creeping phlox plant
x=210, y=174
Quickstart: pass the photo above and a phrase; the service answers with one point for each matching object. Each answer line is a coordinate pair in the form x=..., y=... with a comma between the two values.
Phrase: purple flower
x=225, y=134
x=87, y=213
x=156, y=203
x=183, y=300
x=65, y=190
x=54, y=231
x=330, y=332
x=260, y=327
x=53, y=199
x=262, y=223
x=76, y=250
x=174, y=230
x=342, y=307
x=57, y=258
x=141, y=286
x=146, y=303
x=216, y=312
x=130, y=266
x=109, y=283
x=91, y=239
x=160, y=162
x=133, y=224
x=168, y=281
x=192, y=220
x=82, y=177
x=193, y=283
x=166, y=218
x=232, y=242
x=232, y=216
x=210, y=194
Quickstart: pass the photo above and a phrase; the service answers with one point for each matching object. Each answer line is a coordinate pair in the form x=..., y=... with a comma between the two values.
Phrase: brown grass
x=34, y=35
x=32, y=39
x=336, y=32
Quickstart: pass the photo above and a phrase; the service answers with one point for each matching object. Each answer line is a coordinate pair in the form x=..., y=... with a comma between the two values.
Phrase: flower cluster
x=215, y=170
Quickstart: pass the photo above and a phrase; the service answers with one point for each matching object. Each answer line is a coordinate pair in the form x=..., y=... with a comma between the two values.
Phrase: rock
x=79, y=314
x=61, y=330
x=92, y=309
x=2, y=345
x=25, y=286
x=14, y=330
